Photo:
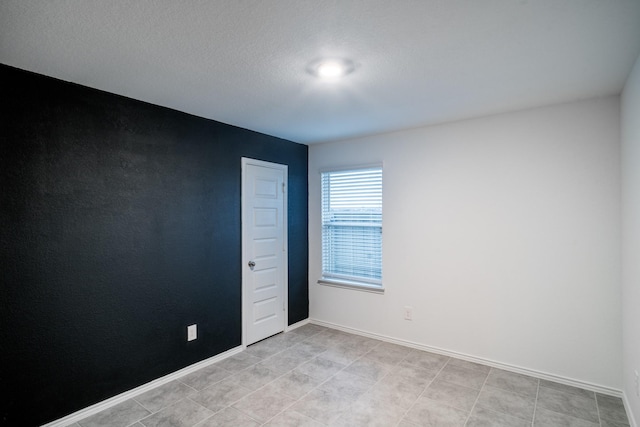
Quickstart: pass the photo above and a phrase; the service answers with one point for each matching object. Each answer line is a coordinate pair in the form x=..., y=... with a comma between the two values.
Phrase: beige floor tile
x=482, y=417
x=122, y=414
x=322, y=406
x=221, y=395
x=292, y=419
x=426, y=360
x=264, y=404
x=315, y=376
x=229, y=417
x=507, y=402
x=458, y=396
x=428, y=413
x=164, y=395
x=462, y=376
x=510, y=381
x=295, y=384
x=569, y=404
x=184, y=413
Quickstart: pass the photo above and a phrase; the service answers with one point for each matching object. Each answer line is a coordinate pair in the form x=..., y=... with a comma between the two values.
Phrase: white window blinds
x=352, y=225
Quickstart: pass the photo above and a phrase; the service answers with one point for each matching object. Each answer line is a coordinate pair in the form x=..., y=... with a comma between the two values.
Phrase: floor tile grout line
x=234, y=373
x=306, y=394
x=578, y=396
x=152, y=413
x=336, y=373
x=295, y=401
x=484, y=383
x=416, y=399
x=230, y=405
x=572, y=416
x=456, y=385
x=286, y=373
x=350, y=346
x=535, y=405
x=426, y=387
x=381, y=378
x=374, y=382
x=595, y=395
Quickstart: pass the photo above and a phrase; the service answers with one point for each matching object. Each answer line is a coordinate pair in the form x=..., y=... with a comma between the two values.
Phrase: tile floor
x=314, y=376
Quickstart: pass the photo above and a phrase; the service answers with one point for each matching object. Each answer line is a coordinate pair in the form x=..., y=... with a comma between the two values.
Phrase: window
x=352, y=228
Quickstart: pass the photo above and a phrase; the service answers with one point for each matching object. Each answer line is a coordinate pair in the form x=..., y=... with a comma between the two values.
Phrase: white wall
x=631, y=237
x=502, y=233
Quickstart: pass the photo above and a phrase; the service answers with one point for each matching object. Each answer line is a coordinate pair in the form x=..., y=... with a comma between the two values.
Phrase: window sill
x=356, y=286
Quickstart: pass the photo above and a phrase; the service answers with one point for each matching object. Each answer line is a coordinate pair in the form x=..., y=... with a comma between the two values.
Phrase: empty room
x=320, y=213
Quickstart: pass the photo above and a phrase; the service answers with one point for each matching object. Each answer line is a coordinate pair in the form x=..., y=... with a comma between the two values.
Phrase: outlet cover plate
x=192, y=332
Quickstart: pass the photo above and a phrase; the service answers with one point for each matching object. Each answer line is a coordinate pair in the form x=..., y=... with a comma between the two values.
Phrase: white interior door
x=264, y=249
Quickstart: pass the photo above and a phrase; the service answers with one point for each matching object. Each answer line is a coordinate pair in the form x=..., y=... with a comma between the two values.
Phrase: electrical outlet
x=637, y=380
x=408, y=313
x=192, y=332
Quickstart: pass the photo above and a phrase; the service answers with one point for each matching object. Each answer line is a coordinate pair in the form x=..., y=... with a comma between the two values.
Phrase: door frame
x=246, y=161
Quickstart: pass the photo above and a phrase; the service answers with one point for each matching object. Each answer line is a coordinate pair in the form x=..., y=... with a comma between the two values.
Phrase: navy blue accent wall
x=120, y=226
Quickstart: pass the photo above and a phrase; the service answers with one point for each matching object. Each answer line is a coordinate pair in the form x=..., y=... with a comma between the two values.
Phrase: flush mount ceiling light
x=331, y=69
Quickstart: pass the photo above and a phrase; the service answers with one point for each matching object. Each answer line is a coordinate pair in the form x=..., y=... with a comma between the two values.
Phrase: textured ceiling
x=243, y=62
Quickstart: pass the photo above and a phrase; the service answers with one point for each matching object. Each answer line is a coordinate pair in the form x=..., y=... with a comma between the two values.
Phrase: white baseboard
x=94, y=409
x=297, y=325
x=505, y=366
x=101, y=406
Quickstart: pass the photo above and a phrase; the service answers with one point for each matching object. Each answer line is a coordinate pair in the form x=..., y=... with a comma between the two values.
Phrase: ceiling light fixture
x=331, y=69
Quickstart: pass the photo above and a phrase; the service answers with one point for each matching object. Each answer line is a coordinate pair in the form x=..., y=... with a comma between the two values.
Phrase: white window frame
x=335, y=279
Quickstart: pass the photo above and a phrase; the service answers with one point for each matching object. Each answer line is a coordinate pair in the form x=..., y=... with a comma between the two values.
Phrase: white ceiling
x=243, y=61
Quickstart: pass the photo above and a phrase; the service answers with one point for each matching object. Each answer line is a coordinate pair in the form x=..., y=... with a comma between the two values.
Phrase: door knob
x=252, y=264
